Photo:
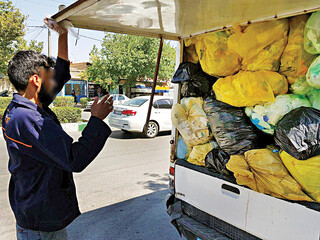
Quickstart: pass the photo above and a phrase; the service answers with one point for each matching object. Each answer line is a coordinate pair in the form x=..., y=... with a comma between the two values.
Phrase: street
x=121, y=194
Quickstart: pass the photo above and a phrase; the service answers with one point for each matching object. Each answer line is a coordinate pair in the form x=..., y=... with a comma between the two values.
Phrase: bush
x=84, y=101
x=63, y=102
x=4, y=102
x=1, y=115
x=67, y=114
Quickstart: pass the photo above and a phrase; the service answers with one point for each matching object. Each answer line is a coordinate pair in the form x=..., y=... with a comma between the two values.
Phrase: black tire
x=152, y=130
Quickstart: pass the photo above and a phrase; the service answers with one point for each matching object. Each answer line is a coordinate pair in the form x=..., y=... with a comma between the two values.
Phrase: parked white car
x=131, y=116
x=118, y=99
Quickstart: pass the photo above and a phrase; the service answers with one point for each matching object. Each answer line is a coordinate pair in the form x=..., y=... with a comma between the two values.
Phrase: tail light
x=171, y=171
x=129, y=112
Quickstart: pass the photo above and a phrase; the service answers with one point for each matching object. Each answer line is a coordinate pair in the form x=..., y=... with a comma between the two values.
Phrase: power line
x=33, y=20
x=60, y=2
x=42, y=4
x=80, y=35
x=38, y=34
x=91, y=38
x=32, y=31
x=28, y=26
x=35, y=34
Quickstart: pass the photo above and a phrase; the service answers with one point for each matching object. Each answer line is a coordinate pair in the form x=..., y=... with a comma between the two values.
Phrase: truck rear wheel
x=152, y=130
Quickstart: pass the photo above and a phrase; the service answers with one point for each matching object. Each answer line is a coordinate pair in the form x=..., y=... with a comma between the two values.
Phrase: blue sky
x=37, y=10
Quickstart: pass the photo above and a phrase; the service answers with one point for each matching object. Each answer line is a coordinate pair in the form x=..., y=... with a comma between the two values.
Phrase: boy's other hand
x=103, y=108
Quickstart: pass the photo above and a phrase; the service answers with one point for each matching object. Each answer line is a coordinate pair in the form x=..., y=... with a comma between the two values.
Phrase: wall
x=6, y=85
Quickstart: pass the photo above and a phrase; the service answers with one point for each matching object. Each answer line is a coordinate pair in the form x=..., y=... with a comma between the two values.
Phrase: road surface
x=121, y=194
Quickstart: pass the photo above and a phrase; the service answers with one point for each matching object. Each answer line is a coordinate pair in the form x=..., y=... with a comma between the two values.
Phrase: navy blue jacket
x=42, y=158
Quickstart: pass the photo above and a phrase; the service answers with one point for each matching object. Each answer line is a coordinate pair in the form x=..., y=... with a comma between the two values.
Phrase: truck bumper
x=187, y=226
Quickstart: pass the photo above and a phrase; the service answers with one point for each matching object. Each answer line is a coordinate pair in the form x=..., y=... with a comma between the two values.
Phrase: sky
x=37, y=10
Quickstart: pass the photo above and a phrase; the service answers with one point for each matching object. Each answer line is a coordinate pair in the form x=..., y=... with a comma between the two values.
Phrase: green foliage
x=128, y=57
x=63, y=102
x=1, y=115
x=84, y=101
x=67, y=114
x=4, y=102
x=12, y=30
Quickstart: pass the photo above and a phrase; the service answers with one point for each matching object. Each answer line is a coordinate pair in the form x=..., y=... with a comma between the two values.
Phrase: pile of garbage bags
x=250, y=106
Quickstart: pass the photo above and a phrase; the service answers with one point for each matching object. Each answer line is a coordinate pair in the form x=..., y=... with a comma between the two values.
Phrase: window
x=163, y=104
x=136, y=102
x=120, y=97
x=68, y=89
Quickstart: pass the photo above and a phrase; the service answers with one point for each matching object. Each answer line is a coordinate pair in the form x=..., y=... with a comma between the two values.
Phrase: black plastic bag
x=233, y=131
x=195, y=82
x=216, y=161
x=185, y=72
x=298, y=133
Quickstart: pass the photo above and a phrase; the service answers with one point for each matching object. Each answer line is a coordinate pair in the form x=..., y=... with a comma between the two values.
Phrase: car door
x=162, y=113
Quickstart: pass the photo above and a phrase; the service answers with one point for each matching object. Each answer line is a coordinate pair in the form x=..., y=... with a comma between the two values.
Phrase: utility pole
x=49, y=43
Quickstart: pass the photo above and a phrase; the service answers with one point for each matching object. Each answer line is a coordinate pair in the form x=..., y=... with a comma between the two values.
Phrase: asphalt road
x=121, y=194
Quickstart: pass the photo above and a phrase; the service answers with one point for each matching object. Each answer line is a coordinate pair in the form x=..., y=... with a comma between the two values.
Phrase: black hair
x=25, y=64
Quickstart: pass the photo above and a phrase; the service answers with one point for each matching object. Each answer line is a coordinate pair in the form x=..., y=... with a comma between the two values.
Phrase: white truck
x=204, y=205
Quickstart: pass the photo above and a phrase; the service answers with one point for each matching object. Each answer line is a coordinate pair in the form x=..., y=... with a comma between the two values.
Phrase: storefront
x=80, y=88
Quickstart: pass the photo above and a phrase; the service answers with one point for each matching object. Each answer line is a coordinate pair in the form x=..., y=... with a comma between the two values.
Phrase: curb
x=73, y=127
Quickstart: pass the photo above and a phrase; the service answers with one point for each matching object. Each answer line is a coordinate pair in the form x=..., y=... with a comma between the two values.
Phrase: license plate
x=117, y=112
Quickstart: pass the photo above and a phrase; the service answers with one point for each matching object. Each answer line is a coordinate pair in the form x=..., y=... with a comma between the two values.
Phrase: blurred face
x=48, y=86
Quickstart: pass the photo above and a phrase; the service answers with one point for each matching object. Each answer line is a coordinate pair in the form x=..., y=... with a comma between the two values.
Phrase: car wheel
x=152, y=130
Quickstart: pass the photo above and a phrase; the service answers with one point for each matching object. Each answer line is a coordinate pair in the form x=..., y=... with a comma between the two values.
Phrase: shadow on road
x=159, y=183
x=141, y=218
x=119, y=134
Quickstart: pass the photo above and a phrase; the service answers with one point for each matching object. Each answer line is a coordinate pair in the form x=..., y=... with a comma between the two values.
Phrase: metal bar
x=49, y=43
x=73, y=9
x=154, y=83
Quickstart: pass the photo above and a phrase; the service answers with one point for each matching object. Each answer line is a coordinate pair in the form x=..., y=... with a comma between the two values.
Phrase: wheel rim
x=152, y=129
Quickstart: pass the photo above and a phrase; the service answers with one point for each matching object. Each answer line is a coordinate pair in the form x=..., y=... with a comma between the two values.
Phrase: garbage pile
x=250, y=105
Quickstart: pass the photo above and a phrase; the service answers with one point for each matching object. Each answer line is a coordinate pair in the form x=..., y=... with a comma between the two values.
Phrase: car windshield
x=136, y=102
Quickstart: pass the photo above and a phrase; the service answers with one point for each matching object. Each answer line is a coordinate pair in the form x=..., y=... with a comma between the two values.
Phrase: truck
x=204, y=205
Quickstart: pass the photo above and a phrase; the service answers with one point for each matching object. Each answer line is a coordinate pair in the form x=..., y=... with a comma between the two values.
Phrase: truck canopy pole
x=154, y=84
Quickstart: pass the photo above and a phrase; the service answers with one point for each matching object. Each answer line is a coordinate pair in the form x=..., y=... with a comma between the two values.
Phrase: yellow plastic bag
x=295, y=60
x=256, y=37
x=263, y=171
x=268, y=58
x=247, y=89
x=190, y=54
x=191, y=121
x=213, y=53
x=305, y=172
x=198, y=153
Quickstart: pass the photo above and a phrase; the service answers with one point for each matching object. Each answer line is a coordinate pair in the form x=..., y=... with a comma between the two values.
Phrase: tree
x=12, y=30
x=129, y=57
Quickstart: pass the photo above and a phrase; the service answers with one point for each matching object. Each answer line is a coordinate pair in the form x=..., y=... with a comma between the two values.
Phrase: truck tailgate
x=258, y=214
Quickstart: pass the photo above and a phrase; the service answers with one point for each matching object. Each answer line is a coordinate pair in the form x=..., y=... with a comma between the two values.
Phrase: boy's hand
x=55, y=26
x=103, y=108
